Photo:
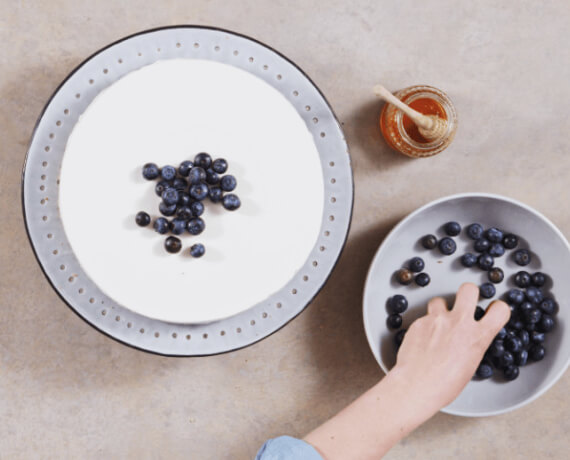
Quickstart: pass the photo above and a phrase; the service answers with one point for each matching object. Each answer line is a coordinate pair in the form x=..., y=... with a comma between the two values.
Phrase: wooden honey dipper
x=431, y=127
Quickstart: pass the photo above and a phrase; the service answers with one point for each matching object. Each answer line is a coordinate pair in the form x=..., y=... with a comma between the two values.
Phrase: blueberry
x=506, y=360
x=525, y=337
x=197, y=250
x=501, y=334
x=184, y=168
x=538, y=279
x=494, y=235
x=511, y=332
x=166, y=210
x=168, y=172
x=180, y=184
x=212, y=177
x=196, y=226
x=515, y=296
x=536, y=352
x=523, y=279
x=161, y=225
x=197, y=208
x=534, y=294
x=496, y=275
x=485, y=261
x=511, y=372
x=532, y=316
x=537, y=337
x=530, y=327
x=394, y=321
x=522, y=257
x=447, y=246
x=404, y=276
x=216, y=194
x=398, y=304
x=184, y=212
x=231, y=202
x=468, y=259
x=142, y=219
x=150, y=171
x=452, y=228
x=548, y=306
x=204, y=160
x=184, y=199
x=481, y=245
x=399, y=337
x=484, y=371
x=172, y=244
x=422, y=279
x=475, y=231
x=199, y=191
x=416, y=264
x=521, y=358
x=429, y=241
x=546, y=323
x=513, y=344
x=487, y=290
x=196, y=175
x=170, y=196
x=497, y=348
x=220, y=165
x=161, y=186
x=510, y=241
x=479, y=313
x=515, y=324
x=178, y=226
x=228, y=183
x=496, y=250
x=525, y=306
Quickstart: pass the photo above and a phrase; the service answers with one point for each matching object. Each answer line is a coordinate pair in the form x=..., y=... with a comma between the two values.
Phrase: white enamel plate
x=162, y=96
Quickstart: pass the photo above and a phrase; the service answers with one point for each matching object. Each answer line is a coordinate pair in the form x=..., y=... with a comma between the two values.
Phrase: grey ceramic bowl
x=551, y=254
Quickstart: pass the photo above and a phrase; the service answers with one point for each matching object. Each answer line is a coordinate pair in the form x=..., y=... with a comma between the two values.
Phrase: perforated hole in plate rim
x=49, y=140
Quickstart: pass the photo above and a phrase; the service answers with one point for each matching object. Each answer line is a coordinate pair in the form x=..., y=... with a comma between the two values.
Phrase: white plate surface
x=166, y=113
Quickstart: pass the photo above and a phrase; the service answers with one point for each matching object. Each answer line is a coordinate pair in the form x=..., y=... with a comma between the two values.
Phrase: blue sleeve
x=287, y=448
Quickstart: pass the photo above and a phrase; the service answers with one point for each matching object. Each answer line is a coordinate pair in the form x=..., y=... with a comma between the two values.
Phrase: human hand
x=438, y=357
x=442, y=350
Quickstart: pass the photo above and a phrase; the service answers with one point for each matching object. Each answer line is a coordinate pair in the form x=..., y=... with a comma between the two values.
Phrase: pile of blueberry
x=532, y=310
x=182, y=192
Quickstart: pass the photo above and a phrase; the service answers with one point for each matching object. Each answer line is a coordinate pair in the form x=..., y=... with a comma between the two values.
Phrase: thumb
x=496, y=316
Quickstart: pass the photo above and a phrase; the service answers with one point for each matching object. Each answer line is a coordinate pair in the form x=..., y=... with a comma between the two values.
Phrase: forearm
x=373, y=423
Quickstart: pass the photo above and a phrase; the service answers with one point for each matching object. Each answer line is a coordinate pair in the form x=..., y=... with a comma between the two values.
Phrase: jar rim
x=432, y=93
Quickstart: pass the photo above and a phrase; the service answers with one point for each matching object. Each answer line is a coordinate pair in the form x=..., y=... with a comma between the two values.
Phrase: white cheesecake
x=166, y=113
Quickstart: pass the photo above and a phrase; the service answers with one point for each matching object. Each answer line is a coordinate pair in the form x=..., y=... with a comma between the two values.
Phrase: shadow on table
x=337, y=341
x=365, y=139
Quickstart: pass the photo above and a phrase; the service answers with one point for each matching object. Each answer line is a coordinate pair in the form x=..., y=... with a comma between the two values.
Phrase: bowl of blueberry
x=512, y=253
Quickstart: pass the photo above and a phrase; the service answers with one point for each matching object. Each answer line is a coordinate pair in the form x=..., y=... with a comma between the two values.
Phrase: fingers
x=496, y=316
x=466, y=299
x=436, y=306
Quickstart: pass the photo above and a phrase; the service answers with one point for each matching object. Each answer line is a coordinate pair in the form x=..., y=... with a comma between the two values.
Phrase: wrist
x=412, y=393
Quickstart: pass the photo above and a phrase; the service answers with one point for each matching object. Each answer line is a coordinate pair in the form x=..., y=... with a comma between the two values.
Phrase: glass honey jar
x=403, y=135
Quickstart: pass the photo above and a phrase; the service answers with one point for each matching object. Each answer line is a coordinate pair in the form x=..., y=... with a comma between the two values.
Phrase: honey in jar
x=403, y=135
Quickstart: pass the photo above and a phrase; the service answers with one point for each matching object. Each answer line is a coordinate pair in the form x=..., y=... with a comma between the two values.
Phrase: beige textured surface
x=66, y=391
